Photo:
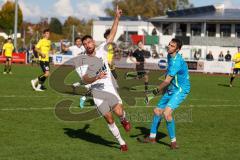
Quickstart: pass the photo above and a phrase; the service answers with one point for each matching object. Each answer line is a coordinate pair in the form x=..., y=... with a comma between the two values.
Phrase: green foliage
x=7, y=15
x=144, y=8
x=82, y=27
x=55, y=26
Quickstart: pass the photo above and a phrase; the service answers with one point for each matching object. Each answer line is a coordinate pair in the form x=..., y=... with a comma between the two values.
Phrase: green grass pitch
x=207, y=123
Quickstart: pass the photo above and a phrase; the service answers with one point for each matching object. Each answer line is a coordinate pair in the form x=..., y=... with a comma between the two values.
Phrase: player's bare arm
x=113, y=32
x=163, y=85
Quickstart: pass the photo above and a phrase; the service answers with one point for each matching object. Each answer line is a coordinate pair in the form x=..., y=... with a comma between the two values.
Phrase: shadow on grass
x=145, y=132
x=88, y=136
x=224, y=85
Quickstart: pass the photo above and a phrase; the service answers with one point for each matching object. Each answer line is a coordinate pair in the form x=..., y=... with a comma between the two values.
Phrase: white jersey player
x=103, y=85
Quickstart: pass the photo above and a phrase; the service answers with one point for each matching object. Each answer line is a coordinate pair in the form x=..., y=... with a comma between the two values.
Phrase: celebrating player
x=236, y=69
x=178, y=87
x=103, y=84
x=8, y=50
x=43, y=48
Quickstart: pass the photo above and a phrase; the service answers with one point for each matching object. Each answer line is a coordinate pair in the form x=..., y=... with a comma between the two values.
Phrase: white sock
x=35, y=80
x=152, y=135
x=39, y=86
x=83, y=98
x=174, y=140
x=77, y=84
x=114, y=129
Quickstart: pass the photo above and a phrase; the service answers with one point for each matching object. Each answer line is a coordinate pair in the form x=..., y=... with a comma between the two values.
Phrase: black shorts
x=140, y=70
x=44, y=66
x=8, y=58
x=236, y=70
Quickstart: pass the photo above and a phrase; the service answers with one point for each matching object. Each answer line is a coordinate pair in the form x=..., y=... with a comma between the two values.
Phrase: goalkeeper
x=177, y=86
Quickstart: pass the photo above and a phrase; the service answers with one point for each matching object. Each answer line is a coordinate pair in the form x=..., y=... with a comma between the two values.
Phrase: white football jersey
x=77, y=50
x=93, y=65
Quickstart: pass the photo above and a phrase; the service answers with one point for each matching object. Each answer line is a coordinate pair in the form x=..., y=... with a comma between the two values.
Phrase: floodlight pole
x=73, y=34
x=15, y=25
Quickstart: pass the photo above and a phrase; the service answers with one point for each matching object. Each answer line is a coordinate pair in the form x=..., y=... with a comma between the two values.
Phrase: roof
x=123, y=18
x=200, y=14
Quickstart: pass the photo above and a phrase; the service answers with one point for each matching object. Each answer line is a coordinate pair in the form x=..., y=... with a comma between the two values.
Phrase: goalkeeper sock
x=115, y=131
x=171, y=130
x=155, y=124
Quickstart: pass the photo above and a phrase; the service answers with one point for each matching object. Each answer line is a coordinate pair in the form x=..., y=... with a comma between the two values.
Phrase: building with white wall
x=127, y=25
x=207, y=28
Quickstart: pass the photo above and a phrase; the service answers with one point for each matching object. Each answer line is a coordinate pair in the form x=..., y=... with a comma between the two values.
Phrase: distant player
x=178, y=87
x=7, y=50
x=110, y=55
x=236, y=69
x=140, y=53
x=103, y=85
x=43, y=48
x=77, y=50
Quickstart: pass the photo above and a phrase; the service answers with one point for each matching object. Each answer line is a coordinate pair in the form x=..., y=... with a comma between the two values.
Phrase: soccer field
x=207, y=123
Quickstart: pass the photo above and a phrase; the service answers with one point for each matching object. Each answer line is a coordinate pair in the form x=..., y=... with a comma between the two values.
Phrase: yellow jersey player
x=110, y=55
x=236, y=69
x=43, y=48
x=7, y=51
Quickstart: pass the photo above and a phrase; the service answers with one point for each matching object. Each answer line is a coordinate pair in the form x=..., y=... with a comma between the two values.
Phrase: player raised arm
x=113, y=32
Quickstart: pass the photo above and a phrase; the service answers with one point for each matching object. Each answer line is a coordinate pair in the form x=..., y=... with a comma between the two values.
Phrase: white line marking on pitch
x=184, y=106
x=36, y=96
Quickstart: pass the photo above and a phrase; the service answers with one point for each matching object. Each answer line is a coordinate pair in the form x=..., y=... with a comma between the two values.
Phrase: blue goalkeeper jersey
x=178, y=69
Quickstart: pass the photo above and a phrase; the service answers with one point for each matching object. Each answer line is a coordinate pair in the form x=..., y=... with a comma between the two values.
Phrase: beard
x=90, y=51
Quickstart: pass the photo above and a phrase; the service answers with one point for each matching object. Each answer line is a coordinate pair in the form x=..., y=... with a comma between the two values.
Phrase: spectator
x=161, y=55
x=221, y=56
x=228, y=57
x=155, y=55
x=209, y=56
x=197, y=54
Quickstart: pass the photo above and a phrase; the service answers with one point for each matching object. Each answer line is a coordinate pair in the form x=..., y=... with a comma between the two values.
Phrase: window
x=237, y=30
x=196, y=29
x=167, y=29
x=181, y=30
x=211, y=30
x=225, y=30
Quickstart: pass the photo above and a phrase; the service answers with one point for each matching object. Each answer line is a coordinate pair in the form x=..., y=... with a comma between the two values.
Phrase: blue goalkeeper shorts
x=171, y=100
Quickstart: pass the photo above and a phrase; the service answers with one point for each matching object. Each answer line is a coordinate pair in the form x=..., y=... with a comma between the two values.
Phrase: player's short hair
x=46, y=30
x=86, y=37
x=77, y=38
x=106, y=34
x=140, y=41
x=178, y=42
x=9, y=38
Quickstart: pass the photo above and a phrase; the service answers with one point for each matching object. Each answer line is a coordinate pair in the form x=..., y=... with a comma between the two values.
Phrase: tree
x=7, y=15
x=144, y=8
x=82, y=27
x=55, y=26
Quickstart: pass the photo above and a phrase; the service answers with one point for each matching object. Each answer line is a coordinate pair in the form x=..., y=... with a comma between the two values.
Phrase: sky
x=34, y=9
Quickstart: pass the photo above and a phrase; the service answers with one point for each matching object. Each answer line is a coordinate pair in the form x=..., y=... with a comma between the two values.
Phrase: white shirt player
x=109, y=81
x=106, y=84
x=77, y=50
